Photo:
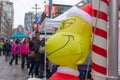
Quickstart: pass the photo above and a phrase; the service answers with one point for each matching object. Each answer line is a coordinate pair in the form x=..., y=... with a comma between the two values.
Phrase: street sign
x=37, y=20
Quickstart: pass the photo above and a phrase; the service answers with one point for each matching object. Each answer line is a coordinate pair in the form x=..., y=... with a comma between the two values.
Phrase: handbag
x=34, y=51
x=32, y=54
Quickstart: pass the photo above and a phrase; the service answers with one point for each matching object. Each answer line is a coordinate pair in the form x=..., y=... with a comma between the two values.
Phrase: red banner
x=54, y=10
x=35, y=26
x=27, y=33
x=46, y=11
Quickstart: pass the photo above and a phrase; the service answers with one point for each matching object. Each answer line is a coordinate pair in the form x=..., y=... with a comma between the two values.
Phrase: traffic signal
x=47, y=15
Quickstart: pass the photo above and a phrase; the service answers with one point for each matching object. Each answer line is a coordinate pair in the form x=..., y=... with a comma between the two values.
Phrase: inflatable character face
x=70, y=44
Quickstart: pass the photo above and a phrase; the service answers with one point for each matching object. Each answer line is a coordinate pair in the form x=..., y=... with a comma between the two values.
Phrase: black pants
x=41, y=69
x=31, y=67
x=3, y=51
x=0, y=51
x=23, y=61
x=35, y=68
x=14, y=56
x=7, y=54
x=31, y=63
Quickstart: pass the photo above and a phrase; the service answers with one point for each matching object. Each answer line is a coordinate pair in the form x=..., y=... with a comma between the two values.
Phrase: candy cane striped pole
x=99, y=47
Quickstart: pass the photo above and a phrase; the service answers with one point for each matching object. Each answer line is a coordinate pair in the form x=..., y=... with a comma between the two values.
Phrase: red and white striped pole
x=99, y=47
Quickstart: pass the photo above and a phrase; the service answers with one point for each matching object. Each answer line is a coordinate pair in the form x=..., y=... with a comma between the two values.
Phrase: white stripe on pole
x=99, y=60
x=100, y=42
x=100, y=24
x=98, y=76
x=103, y=6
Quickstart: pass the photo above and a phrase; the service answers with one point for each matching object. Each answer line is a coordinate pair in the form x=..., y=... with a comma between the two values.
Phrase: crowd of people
x=30, y=52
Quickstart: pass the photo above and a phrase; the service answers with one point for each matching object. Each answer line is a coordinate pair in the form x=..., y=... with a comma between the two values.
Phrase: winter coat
x=1, y=45
x=14, y=48
x=24, y=48
x=7, y=47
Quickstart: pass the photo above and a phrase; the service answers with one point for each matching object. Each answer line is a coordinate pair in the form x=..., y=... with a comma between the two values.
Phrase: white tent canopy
x=48, y=22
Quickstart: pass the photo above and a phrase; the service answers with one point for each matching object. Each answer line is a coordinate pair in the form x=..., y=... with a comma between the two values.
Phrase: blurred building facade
x=60, y=9
x=28, y=19
x=6, y=18
x=19, y=28
x=5, y=0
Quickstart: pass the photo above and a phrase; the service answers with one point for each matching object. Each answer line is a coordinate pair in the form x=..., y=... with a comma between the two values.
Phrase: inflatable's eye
x=66, y=23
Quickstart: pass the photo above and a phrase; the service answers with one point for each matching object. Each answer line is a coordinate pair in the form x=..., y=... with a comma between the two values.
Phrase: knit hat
x=84, y=12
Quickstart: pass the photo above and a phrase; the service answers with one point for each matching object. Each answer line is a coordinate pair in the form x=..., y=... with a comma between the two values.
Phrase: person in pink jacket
x=24, y=51
x=14, y=52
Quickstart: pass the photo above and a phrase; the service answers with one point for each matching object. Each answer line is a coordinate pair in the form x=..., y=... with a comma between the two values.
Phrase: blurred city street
x=60, y=39
x=11, y=72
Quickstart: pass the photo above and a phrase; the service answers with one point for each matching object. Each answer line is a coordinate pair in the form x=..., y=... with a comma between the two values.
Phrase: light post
x=36, y=8
x=50, y=8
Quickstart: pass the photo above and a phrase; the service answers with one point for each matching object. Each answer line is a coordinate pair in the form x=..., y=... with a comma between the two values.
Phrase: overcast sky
x=22, y=6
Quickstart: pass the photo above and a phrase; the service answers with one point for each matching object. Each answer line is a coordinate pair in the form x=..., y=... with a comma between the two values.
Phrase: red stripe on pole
x=106, y=1
x=54, y=10
x=99, y=68
x=99, y=50
x=100, y=15
x=99, y=32
x=46, y=11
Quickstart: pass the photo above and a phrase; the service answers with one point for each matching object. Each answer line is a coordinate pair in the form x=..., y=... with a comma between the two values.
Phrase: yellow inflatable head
x=70, y=44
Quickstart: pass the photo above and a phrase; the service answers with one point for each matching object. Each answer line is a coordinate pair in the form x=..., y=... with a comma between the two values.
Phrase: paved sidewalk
x=11, y=72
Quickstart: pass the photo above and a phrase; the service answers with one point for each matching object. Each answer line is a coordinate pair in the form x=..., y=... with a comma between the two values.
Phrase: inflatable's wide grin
x=70, y=37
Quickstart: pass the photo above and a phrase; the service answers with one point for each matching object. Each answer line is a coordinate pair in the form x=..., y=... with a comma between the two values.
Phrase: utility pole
x=50, y=8
x=36, y=8
x=113, y=41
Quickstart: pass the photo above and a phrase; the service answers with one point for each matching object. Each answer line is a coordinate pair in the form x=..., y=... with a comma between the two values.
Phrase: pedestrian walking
x=24, y=51
x=1, y=47
x=7, y=48
x=36, y=43
x=14, y=53
x=42, y=58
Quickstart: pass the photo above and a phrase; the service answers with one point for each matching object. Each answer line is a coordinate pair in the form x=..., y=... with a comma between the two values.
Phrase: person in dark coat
x=35, y=60
x=1, y=47
x=7, y=48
